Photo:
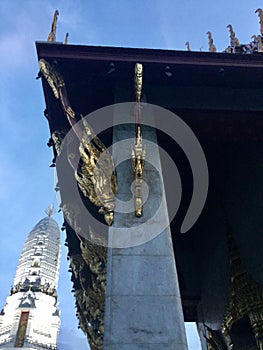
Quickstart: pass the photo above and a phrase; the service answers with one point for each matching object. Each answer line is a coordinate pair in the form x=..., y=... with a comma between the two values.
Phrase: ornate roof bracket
x=89, y=269
x=95, y=173
x=214, y=341
x=246, y=298
x=138, y=152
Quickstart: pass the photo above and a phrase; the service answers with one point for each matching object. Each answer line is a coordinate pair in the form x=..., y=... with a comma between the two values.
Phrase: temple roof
x=220, y=96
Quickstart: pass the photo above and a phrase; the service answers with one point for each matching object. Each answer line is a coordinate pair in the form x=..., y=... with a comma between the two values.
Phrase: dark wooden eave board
x=104, y=53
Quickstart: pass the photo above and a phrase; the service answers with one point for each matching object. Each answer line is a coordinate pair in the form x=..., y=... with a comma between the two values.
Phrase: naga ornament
x=94, y=167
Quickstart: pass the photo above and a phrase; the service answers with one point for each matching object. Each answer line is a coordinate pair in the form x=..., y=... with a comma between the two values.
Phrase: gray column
x=143, y=304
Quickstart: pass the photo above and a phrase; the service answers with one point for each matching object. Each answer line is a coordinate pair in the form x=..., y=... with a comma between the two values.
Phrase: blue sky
x=27, y=182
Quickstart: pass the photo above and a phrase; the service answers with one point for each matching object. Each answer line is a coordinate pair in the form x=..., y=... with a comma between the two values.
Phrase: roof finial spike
x=50, y=211
x=234, y=42
x=66, y=39
x=52, y=34
x=260, y=43
x=260, y=15
x=188, y=46
x=212, y=47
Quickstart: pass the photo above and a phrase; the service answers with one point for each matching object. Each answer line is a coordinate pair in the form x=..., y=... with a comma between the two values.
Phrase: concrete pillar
x=143, y=304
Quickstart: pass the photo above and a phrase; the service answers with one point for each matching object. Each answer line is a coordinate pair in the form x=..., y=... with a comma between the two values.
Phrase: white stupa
x=30, y=318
